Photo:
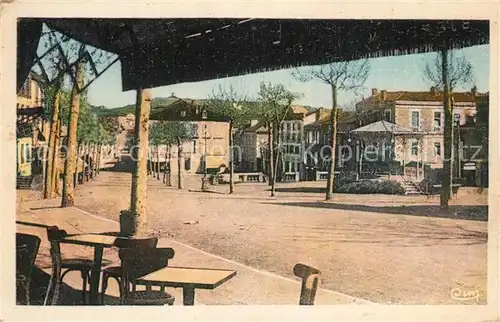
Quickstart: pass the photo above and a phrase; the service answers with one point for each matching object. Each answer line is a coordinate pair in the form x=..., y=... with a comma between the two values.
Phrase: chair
x=310, y=277
x=27, y=247
x=116, y=271
x=55, y=235
x=140, y=262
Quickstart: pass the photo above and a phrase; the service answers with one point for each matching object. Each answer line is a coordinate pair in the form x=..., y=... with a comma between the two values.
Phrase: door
x=24, y=157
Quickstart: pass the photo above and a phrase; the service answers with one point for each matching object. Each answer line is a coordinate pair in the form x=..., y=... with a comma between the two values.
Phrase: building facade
x=422, y=113
x=209, y=144
x=32, y=131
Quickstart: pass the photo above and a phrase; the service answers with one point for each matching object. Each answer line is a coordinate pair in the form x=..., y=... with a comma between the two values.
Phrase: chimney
x=433, y=90
x=374, y=91
x=383, y=94
x=473, y=91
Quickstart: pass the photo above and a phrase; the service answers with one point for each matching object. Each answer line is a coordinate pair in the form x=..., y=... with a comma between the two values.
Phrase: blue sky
x=390, y=73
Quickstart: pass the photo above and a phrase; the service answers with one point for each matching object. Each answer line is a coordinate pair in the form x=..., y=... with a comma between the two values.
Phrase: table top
x=204, y=278
x=91, y=240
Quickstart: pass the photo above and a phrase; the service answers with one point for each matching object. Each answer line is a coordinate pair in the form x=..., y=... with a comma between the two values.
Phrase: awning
x=160, y=52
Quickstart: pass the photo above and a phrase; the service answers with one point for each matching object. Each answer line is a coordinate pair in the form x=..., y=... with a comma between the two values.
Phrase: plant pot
x=128, y=223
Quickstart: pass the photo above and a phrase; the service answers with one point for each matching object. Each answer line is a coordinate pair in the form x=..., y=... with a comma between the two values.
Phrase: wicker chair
x=140, y=262
x=27, y=247
x=115, y=272
x=310, y=277
x=55, y=235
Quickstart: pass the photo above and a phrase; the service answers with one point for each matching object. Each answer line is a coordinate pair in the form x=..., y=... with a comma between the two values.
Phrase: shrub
x=369, y=187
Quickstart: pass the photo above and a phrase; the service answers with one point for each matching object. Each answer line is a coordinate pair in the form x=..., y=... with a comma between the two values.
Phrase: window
x=437, y=149
x=437, y=121
x=388, y=115
x=293, y=166
x=288, y=127
x=194, y=146
x=183, y=113
x=414, y=147
x=415, y=120
x=23, y=153
x=287, y=166
x=456, y=119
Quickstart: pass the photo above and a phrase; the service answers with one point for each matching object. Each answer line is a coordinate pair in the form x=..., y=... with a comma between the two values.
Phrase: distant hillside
x=155, y=103
x=130, y=109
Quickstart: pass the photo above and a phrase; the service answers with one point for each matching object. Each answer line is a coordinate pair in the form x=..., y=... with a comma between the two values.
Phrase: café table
x=98, y=242
x=187, y=278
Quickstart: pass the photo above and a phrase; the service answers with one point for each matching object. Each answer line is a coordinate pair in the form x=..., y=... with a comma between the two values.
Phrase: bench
x=251, y=177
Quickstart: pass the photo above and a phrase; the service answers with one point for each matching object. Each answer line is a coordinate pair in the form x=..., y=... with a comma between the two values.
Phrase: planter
x=128, y=223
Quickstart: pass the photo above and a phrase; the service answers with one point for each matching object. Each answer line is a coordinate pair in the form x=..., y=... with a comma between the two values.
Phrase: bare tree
x=232, y=106
x=447, y=72
x=347, y=76
x=275, y=104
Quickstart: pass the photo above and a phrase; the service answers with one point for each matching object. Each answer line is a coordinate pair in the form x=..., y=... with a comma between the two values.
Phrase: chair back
x=27, y=247
x=148, y=242
x=310, y=278
x=137, y=262
x=55, y=235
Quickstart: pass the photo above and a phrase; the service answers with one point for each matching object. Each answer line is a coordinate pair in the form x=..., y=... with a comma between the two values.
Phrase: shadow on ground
x=68, y=295
x=466, y=212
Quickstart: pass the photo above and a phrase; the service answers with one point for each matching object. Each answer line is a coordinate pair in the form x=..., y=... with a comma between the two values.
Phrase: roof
x=171, y=110
x=160, y=52
x=381, y=127
x=427, y=96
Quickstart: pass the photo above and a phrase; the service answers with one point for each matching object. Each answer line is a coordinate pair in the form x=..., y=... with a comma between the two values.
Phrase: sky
x=389, y=73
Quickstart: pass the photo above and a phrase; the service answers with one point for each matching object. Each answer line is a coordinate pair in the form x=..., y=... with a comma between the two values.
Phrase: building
x=317, y=142
x=253, y=142
x=421, y=113
x=210, y=135
x=32, y=130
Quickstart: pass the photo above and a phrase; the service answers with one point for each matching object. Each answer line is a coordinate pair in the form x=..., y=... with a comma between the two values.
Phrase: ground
x=386, y=249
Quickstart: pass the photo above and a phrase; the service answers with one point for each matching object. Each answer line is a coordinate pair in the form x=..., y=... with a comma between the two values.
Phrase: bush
x=388, y=187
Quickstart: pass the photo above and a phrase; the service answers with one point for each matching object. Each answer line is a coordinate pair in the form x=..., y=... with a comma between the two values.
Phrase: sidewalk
x=249, y=287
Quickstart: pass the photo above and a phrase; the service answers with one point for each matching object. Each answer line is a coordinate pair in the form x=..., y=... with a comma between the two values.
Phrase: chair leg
x=84, y=286
x=104, y=286
x=49, y=289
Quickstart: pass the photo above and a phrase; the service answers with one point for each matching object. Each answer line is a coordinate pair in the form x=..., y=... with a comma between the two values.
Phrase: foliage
x=345, y=76
x=170, y=133
x=228, y=104
x=274, y=103
x=460, y=71
x=368, y=187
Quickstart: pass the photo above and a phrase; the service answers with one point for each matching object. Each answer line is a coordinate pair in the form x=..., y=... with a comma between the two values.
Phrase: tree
x=232, y=106
x=447, y=72
x=133, y=221
x=178, y=132
x=274, y=105
x=341, y=76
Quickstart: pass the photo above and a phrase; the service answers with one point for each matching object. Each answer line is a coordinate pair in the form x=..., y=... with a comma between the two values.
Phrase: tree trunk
x=86, y=163
x=95, y=160
x=180, y=183
x=448, y=133
x=139, y=175
x=150, y=164
x=56, y=160
x=276, y=158
x=69, y=166
x=158, y=162
x=165, y=168
x=231, y=159
x=99, y=154
x=272, y=176
x=51, y=158
x=78, y=152
x=271, y=156
x=333, y=141
x=169, y=174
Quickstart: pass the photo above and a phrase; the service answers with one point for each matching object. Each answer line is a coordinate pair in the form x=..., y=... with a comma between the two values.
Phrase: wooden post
x=135, y=220
x=69, y=167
